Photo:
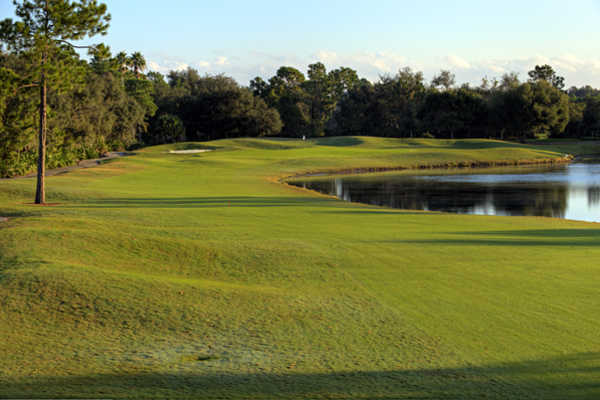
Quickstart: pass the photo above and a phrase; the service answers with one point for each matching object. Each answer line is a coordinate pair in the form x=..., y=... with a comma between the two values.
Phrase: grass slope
x=201, y=276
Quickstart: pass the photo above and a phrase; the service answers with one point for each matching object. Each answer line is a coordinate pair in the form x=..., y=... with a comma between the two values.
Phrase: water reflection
x=594, y=196
x=571, y=191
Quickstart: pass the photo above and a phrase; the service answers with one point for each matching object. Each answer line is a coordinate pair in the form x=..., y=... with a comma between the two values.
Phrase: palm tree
x=138, y=63
x=122, y=61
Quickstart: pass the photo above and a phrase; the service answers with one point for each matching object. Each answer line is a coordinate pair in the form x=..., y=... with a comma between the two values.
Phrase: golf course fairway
x=204, y=276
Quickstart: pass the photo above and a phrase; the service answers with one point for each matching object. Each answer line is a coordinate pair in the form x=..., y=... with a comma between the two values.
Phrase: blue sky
x=244, y=39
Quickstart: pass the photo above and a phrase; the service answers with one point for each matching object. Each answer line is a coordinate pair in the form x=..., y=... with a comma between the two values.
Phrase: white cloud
x=497, y=69
x=576, y=71
x=153, y=66
x=457, y=62
x=327, y=57
x=371, y=65
x=164, y=66
x=221, y=61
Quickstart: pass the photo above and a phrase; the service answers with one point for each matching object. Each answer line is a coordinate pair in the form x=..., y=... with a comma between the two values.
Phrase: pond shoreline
x=564, y=191
x=447, y=165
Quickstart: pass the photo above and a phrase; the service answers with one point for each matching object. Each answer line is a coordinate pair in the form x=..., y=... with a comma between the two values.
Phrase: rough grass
x=202, y=276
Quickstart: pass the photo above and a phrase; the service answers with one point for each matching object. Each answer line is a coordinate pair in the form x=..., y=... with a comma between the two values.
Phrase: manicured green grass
x=202, y=276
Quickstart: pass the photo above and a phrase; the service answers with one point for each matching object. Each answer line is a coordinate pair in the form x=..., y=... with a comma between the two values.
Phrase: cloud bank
x=371, y=65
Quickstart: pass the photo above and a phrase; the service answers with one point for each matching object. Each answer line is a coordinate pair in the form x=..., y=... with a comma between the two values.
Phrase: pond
x=569, y=191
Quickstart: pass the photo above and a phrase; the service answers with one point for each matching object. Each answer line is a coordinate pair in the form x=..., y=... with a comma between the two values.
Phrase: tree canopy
x=43, y=33
x=88, y=107
x=84, y=108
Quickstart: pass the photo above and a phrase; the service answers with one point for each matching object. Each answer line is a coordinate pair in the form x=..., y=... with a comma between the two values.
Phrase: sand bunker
x=188, y=151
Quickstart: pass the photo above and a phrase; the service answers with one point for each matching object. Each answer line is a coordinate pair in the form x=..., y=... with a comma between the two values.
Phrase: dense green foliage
x=84, y=108
x=403, y=106
x=103, y=110
x=43, y=35
x=209, y=107
x=305, y=105
x=109, y=103
x=201, y=277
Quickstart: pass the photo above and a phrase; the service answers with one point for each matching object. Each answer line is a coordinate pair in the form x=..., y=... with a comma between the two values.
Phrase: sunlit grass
x=203, y=276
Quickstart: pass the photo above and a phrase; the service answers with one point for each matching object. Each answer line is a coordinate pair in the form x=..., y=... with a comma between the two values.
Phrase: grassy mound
x=201, y=276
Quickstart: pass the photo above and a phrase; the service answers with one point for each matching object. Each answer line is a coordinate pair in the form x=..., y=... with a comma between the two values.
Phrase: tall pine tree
x=44, y=33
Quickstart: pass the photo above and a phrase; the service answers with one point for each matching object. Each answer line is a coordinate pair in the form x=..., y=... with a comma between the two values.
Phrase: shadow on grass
x=17, y=214
x=9, y=264
x=476, y=145
x=544, y=233
x=573, y=377
x=496, y=242
x=460, y=144
x=376, y=211
x=6, y=264
x=533, y=237
x=199, y=202
x=341, y=141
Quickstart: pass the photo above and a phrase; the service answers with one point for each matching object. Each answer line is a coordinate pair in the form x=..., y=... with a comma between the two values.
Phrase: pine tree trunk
x=40, y=195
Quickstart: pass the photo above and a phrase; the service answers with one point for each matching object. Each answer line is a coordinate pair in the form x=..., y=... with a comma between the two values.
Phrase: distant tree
x=256, y=118
x=101, y=60
x=183, y=83
x=576, y=126
x=289, y=77
x=138, y=63
x=488, y=84
x=445, y=79
x=509, y=81
x=584, y=116
x=342, y=80
x=160, y=88
x=354, y=115
x=259, y=87
x=550, y=109
x=306, y=106
x=509, y=110
x=591, y=117
x=166, y=128
x=535, y=110
x=287, y=95
x=141, y=90
x=398, y=101
x=214, y=84
x=43, y=32
x=209, y=107
x=546, y=73
x=583, y=92
x=122, y=62
x=319, y=97
x=97, y=116
x=454, y=113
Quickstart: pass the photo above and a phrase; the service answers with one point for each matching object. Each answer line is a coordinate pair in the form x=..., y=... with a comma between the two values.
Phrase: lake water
x=566, y=191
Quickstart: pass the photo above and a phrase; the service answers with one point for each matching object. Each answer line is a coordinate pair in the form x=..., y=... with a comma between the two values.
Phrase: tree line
x=339, y=102
x=103, y=107
x=57, y=107
x=405, y=105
